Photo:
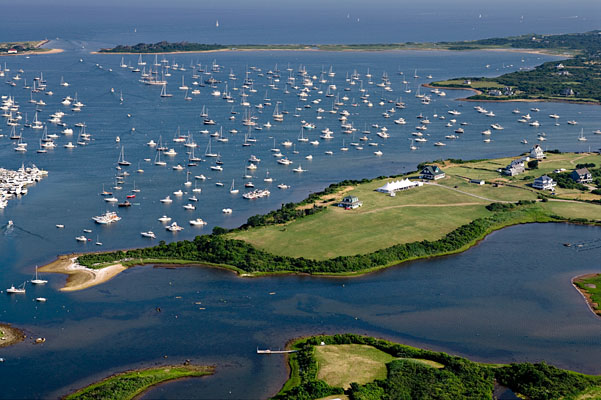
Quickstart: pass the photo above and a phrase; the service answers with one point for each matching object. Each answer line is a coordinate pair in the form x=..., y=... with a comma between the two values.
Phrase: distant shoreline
x=350, y=50
x=38, y=49
x=479, y=92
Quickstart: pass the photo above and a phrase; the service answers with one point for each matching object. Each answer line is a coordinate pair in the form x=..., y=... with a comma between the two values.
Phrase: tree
x=533, y=164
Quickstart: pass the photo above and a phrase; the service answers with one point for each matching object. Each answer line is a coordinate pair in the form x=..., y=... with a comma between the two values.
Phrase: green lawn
x=340, y=365
x=574, y=210
x=423, y=213
x=128, y=385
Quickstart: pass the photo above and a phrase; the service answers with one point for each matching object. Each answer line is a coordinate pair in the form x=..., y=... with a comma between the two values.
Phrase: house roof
x=432, y=170
x=544, y=178
x=582, y=171
x=350, y=199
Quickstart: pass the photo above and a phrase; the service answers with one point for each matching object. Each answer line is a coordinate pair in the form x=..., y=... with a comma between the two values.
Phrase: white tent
x=395, y=186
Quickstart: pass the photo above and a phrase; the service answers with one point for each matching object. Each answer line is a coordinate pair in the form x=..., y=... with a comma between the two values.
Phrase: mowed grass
x=340, y=365
x=573, y=209
x=423, y=213
x=427, y=212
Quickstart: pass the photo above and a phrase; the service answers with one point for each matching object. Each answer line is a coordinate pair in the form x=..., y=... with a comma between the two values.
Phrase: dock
x=269, y=351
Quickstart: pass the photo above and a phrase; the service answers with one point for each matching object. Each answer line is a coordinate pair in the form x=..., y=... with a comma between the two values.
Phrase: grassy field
x=340, y=365
x=423, y=213
x=128, y=385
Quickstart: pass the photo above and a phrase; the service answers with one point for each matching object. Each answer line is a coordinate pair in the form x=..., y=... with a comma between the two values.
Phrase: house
x=507, y=91
x=350, y=202
x=395, y=186
x=560, y=66
x=432, y=172
x=544, y=183
x=567, y=92
x=582, y=175
x=495, y=92
x=12, y=51
x=514, y=168
x=537, y=152
x=467, y=82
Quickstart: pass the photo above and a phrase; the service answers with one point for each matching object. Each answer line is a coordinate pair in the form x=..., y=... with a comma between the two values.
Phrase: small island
x=349, y=366
x=10, y=335
x=131, y=384
x=445, y=207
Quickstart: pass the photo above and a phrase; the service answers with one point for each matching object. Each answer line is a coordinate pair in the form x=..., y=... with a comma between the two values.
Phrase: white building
x=544, y=183
x=537, y=152
x=395, y=186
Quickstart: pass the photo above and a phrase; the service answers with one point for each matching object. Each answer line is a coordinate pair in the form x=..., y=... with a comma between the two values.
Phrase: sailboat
x=581, y=137
x=37, y=280
x=164, y=91
x=232, y=189
x=208, y=152
x=98, y=242
x=302, y=138
x=157, y=160
x=122, y=160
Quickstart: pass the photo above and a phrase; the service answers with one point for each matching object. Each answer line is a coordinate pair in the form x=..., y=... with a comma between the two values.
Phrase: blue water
x=485, y=304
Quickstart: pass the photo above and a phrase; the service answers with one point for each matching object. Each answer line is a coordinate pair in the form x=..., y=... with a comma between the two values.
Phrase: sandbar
x=80, y=277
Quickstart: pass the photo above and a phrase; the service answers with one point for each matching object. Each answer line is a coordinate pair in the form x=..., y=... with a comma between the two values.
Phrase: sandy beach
x=80, y=277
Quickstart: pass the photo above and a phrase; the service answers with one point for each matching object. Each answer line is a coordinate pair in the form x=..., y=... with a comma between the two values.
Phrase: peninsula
x=589, y=286
x=569, y=44
x=132, y=384
x=349, y=366
x=315, y=236
x=571, y=80
x=26, y=47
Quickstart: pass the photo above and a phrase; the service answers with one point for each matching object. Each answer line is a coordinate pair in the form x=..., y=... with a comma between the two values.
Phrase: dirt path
x=421, y=205
x=470, y=194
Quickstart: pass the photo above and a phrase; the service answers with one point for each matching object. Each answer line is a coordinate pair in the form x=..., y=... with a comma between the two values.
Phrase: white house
x=350, y=202
x=544, y=183
x=395, y=186
x=537, y=152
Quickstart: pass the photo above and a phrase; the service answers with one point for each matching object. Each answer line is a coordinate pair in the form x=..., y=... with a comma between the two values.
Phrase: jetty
x=269, y=351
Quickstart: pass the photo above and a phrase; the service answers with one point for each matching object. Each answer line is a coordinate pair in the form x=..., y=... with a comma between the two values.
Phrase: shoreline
x=80, y=277
x=585, y=295
x=10, y=335
x=334, y=50
x=478, y=92
x=194, y=371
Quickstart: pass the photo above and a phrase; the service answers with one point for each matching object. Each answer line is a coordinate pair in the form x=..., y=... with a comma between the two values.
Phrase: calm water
x=488, y=304
x=485, y=303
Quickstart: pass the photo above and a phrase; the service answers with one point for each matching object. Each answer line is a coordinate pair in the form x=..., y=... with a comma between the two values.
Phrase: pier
x=269, y=351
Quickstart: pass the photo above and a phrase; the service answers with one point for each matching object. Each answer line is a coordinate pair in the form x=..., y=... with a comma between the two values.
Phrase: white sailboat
x=37, y=280
x=122, y=160
x=232, y=189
